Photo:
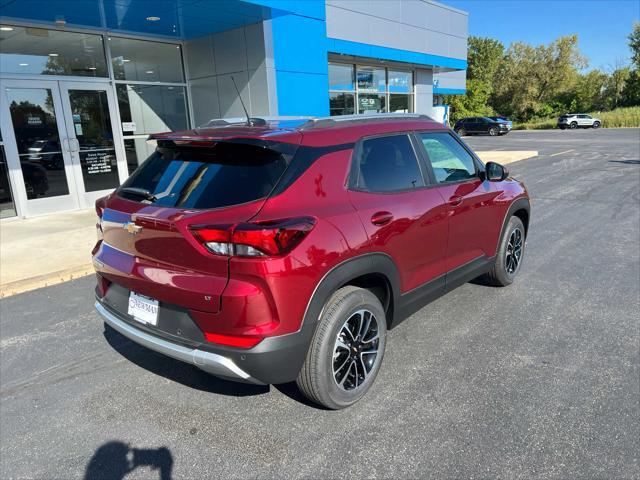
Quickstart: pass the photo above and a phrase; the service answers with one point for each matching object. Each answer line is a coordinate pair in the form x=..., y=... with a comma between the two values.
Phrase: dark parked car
x=282, y=251
x=477, y=125
x=504, y=120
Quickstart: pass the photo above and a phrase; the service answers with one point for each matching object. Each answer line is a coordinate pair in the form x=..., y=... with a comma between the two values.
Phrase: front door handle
x=455, y=200
x=381, y=218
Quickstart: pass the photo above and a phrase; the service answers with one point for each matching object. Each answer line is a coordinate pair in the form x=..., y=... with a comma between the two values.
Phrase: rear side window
x=198, y=177
x=388, y=164
x=449, y=160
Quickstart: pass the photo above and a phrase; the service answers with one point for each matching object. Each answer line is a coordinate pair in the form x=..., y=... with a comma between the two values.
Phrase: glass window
x=34, y=123
x=341, y=103
x=388, y=164
x=400, y=82
x=341, y=77
x=7, y=206
x=450, y=161
x=371, y=103
x=92, y=128
x=152, y=108
x=38, y=51
x=144, y=61
x=401, y=103
x=227, y=174
x=371, y=79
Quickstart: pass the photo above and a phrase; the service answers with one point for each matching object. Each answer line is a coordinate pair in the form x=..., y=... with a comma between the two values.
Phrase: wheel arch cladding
x=375, y=271
x=520, y=208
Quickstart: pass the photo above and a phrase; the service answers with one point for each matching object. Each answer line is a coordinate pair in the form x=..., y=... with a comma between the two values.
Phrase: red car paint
x=426, y=232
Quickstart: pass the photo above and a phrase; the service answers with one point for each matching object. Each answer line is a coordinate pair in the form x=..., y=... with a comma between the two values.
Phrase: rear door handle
x=381, y=218
x=455, y=200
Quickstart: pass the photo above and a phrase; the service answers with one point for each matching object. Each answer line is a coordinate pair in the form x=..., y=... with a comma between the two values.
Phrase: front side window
x=449, y=160
x=388, y=164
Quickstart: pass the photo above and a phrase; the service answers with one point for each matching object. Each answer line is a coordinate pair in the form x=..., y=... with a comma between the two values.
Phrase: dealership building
x=83, y=83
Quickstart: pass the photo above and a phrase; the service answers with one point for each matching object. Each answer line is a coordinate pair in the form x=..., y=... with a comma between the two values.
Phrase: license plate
x=143, y=309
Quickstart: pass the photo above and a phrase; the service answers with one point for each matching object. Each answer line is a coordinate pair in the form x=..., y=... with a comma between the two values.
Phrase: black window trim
x=354, y=168
x=479, y=165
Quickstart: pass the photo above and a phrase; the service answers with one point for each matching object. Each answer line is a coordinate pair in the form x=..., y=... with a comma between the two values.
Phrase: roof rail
x=221, y=122
x=308, y=122
x=327, y=121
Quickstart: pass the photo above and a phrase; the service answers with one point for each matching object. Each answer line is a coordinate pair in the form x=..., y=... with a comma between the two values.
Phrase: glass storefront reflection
x=401, y=103
x=7, y=205
x=92, y=128
x=341, y=103
x=152, y=108
x=371, y=103
x=34, y=123
x=39, y=51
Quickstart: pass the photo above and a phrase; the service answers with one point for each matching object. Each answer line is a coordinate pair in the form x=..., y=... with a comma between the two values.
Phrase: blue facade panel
x=357, y=49
x=300, y=60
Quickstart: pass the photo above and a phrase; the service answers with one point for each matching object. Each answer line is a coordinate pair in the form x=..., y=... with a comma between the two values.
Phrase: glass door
x=94, y=140
x=36, y=146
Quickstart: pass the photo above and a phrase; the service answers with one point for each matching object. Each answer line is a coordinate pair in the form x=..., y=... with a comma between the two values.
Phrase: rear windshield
x=205, y=177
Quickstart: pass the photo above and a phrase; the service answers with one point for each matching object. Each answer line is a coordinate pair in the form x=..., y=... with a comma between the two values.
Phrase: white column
x=424, y=91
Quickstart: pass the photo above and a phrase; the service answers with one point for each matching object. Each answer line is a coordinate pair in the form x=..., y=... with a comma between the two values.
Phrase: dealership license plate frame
x=143, y=309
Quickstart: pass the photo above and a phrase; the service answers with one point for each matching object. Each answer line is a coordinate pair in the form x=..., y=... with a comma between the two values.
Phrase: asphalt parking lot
x=537, y=380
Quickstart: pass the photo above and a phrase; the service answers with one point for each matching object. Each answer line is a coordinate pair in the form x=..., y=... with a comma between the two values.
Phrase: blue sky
x=602, y=26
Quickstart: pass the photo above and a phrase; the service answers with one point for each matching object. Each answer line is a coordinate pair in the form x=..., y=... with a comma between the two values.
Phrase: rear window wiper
x=140, y=192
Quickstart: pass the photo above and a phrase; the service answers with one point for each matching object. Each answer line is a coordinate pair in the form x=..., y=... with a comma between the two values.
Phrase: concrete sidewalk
x=46, y=250
x=507, y=156
x=56, y=248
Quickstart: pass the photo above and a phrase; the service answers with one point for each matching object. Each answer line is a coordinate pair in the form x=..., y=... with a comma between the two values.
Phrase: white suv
x=575, y=120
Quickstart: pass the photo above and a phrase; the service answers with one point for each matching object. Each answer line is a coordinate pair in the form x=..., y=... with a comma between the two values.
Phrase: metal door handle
x=76, y=144
x=455, y=200
x=381, y=218
x=65, y=145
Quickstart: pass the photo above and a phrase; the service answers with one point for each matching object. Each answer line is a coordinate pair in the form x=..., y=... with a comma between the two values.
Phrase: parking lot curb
x=54, y=278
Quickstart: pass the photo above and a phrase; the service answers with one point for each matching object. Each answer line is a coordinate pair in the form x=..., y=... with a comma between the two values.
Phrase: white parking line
x=560, y=153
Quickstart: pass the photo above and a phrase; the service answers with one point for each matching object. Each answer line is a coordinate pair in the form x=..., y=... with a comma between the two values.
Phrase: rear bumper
x=207, y=361
x=274, y=360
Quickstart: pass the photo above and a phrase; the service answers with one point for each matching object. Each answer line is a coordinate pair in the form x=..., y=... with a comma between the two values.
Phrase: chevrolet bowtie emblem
x=132, y=228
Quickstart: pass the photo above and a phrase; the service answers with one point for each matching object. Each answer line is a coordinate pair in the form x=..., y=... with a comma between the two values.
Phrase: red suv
x=285, y=250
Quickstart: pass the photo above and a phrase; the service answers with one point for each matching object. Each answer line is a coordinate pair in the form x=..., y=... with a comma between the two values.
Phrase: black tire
x=321, y=373
x=573, y=125
x=493, y=131
x=596, y=124
x=562, y=127
x=501, y=273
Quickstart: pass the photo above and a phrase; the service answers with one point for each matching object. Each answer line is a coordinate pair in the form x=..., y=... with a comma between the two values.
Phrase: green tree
x=615, y=86
x=589, y=92
x=634, y=45
x=533, y=79
x=484, y=57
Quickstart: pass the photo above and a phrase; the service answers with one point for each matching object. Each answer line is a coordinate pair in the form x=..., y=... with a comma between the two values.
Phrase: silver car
x=575, y=120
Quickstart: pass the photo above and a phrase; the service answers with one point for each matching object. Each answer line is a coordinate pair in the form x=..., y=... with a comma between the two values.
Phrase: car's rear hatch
x=147, y=244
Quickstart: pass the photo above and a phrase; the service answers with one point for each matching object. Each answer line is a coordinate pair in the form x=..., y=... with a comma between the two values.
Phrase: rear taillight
x=101, y=203
x=233, y=340
x=259, y=239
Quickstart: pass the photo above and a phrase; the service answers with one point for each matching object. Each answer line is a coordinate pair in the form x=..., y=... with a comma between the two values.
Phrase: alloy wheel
x=513, y=255
x=356, y=350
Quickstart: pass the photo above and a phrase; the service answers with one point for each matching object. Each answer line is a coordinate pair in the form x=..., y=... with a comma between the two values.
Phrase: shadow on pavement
x=628, y=162
x=177, y=371
x=114, y=460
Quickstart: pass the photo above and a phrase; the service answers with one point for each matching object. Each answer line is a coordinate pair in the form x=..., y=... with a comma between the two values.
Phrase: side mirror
x=495, y=172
